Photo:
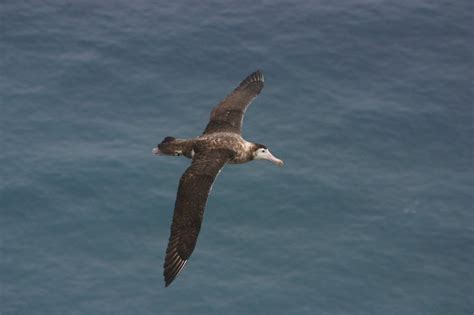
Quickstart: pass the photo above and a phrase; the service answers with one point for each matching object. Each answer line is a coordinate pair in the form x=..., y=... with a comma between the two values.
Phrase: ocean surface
x=369, y=103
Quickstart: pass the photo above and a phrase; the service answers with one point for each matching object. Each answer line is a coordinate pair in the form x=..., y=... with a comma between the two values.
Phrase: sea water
x=369, y=103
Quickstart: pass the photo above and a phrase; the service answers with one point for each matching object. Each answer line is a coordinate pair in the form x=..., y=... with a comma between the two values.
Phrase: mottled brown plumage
x=220, y=143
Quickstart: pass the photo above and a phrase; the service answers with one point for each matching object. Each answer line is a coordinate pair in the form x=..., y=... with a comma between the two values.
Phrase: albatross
x=220, y=144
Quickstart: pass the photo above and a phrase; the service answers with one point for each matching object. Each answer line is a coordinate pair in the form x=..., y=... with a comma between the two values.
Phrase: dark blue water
x=370, y=104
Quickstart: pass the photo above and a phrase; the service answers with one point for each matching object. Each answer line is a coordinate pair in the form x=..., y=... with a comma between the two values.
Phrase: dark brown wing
x=229, y=114
x=194, y=188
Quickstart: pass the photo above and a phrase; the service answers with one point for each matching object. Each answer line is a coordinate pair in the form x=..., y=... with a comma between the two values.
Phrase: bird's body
x=240, y=149
x=220, y=144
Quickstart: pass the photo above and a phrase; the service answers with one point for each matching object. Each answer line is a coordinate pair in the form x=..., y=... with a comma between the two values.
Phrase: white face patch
x=261, y=154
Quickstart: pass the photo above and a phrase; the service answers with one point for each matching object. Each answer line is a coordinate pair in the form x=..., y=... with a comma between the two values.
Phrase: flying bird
x=220, y=144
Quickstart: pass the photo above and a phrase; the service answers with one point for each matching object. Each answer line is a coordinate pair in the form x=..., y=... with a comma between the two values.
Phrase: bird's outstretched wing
x=194, y=188
x=229, y=114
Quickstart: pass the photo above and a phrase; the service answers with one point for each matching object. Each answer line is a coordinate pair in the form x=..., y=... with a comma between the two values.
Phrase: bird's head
x=261, y=152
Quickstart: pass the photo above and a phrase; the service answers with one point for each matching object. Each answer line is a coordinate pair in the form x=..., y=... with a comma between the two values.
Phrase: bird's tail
x=176, y=147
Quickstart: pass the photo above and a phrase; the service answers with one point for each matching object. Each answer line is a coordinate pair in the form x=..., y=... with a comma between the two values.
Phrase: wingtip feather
x=256, y=76
x=171, y=273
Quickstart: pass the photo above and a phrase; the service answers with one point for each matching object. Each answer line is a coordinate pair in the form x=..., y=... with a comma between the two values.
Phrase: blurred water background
x=369, y=102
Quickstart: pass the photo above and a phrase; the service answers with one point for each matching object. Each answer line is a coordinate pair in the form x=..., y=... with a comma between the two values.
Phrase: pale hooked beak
x=273, y=159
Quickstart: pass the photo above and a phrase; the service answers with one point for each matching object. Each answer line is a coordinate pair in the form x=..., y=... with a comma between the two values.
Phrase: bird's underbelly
x=228, y=141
